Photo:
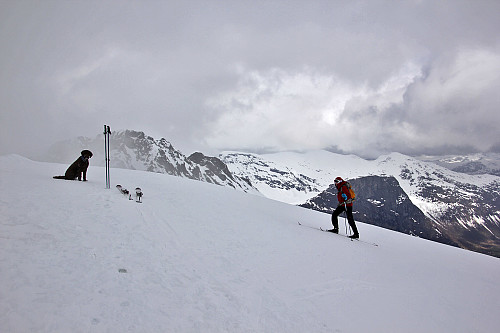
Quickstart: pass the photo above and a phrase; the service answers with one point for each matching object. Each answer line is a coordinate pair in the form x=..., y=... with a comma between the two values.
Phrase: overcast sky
x=364, y=77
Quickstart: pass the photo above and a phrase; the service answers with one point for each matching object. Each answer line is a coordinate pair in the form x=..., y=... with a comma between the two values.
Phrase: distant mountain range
x=395, y=191
x=473, y=164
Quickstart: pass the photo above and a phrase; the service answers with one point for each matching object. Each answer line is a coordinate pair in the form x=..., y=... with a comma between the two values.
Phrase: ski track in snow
x=196, y=257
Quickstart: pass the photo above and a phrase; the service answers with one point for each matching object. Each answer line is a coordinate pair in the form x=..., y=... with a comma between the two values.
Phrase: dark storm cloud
x=411, y=76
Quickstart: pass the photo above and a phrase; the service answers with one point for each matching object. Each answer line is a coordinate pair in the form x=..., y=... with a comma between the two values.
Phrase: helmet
x=338, y=180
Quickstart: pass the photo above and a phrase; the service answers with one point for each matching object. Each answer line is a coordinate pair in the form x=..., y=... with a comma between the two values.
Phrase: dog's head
x=86, y=153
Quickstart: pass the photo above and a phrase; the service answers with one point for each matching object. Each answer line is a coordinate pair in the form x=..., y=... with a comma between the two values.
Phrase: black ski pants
x=350, y=218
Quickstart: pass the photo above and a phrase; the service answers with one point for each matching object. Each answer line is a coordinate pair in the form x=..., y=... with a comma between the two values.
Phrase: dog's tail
x=59, y=177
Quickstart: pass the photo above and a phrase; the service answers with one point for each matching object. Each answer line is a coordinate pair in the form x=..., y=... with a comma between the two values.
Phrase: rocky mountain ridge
x=395, y=191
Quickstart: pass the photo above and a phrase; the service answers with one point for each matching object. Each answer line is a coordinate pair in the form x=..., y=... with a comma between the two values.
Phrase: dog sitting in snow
x=78, y=168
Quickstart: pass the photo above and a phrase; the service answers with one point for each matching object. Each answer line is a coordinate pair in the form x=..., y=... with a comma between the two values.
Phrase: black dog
x=78, y=167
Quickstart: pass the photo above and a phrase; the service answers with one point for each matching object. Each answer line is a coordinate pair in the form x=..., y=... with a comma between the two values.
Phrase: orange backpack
x=351, y=191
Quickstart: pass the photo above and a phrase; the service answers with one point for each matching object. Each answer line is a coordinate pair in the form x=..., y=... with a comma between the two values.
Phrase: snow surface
x=196, y=257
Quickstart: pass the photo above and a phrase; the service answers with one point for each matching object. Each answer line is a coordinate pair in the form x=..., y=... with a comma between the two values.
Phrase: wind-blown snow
x=196, y=257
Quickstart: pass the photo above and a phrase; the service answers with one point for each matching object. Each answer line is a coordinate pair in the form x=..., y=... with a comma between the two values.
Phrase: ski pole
x=108, y=130
x=106, y=157
x=345, y=219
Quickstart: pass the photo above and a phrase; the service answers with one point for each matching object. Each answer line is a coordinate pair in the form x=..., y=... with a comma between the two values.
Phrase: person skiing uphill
x=78, y=167
x=345, y=204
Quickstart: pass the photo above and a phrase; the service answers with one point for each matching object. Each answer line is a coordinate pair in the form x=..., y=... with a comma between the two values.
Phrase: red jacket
x=343, y=189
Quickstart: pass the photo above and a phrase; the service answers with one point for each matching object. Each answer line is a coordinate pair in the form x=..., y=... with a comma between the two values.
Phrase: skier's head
x=86, y=154
x=338, y=181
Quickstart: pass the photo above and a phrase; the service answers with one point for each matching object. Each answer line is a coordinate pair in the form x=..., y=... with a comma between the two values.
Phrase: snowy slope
x=206, y=258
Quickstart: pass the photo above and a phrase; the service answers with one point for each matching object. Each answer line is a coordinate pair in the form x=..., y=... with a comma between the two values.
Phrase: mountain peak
x=131, y=149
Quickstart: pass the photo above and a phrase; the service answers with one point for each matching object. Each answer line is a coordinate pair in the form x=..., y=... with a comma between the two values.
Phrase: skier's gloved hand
x=344, y=196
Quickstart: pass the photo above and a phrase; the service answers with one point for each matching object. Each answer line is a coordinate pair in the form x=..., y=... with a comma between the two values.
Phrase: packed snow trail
x=195, y=257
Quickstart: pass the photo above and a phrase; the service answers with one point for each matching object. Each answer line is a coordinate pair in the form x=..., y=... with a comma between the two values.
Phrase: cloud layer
x=365, y=77
x=447, y=107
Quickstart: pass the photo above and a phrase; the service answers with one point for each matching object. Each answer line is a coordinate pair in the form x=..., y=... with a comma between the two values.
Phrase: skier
x=78, y=167
x=345, y=204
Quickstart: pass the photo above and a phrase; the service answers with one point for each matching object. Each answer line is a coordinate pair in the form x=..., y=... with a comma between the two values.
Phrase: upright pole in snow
x=105, y=157
x=109, y=159
x=107, y=132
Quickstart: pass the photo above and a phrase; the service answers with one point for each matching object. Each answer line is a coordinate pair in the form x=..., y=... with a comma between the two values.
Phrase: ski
x=138, y=195
x=122, y=189
x=125, y=192
x=345, y=236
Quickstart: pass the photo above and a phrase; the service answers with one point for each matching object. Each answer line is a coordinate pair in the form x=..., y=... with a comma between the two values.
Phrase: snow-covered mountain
x=293, y=177
x=473, y=164
x=137, y=151
x=456, y=208
x=194, y=257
